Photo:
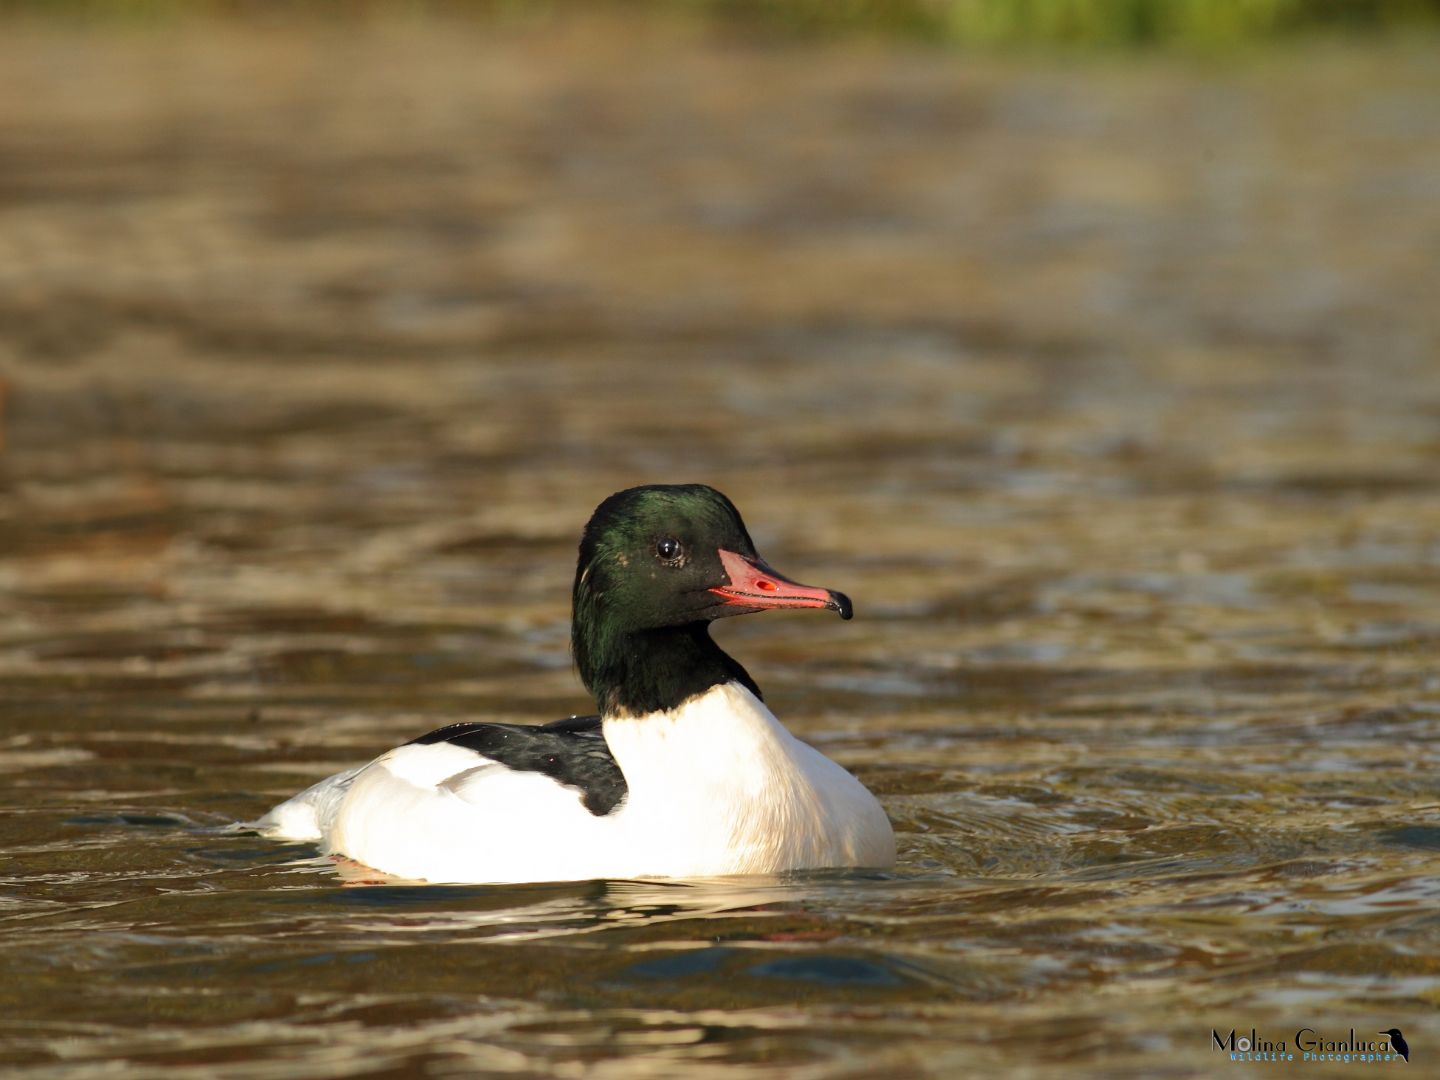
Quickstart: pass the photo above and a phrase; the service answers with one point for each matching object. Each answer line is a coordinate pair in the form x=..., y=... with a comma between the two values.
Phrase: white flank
x=716, y=786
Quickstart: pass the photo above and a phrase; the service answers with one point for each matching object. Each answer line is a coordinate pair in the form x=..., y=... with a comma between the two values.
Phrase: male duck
x=685, y=772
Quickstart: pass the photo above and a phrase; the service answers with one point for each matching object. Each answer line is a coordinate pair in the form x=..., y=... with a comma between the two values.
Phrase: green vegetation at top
x=1009, y=23
x=1090, y=22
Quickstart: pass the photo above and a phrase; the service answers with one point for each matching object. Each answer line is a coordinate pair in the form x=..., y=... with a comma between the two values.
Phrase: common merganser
x=684, y=773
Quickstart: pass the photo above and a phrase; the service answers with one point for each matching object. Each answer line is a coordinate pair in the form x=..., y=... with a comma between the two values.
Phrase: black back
x=572, y=752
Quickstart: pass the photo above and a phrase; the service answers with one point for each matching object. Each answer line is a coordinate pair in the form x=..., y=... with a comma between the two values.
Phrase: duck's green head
x=668, y=556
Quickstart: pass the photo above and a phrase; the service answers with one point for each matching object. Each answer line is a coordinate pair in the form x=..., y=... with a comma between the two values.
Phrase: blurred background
x=1091, y=345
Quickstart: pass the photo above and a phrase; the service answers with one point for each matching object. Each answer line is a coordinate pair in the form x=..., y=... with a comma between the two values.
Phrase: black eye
x=668, y=548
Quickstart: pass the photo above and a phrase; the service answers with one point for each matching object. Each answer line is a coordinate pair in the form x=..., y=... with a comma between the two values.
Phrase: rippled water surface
x=1108, y=389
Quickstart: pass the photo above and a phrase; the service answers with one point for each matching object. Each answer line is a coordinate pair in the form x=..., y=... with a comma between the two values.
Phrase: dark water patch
x=88, y=686
x=1420, y=837
x=682, y=965
x=292, y=620
x=133, y=820
x=242, y=855
x=1341, y=485
x=44, y=536
x=86, y=598
x=157, y=648
x=992, y=604
x=831, y=971
x=352, y=668
x=488, y=543
x=324, y=959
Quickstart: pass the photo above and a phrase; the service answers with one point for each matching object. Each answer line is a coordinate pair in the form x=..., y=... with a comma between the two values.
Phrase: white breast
x=719, y=786
x=716, y=786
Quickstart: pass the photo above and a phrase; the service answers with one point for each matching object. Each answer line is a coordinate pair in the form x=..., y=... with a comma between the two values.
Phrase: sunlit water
x=1108, y=390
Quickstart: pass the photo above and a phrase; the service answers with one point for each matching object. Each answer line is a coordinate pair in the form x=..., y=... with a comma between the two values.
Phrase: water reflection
x=521, y=913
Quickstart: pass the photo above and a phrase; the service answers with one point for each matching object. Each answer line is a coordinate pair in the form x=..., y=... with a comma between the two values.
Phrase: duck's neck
x=649, y=671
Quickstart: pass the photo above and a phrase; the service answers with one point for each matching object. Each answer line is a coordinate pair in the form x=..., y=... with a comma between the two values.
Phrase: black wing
x=572, y=752
x=577, y=724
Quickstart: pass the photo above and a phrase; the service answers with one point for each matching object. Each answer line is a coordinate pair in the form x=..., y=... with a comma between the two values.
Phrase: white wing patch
x=429, y=765
x=440, y=812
